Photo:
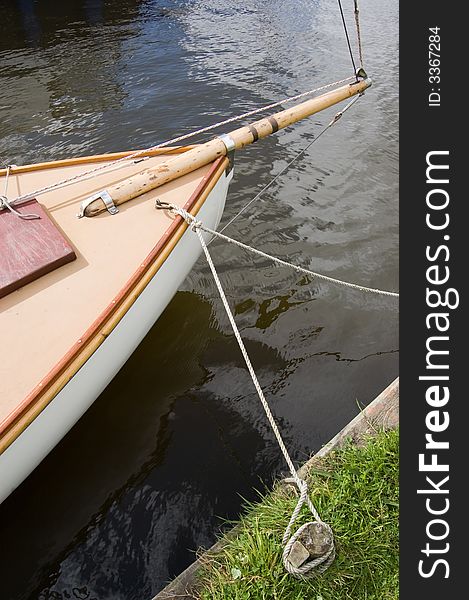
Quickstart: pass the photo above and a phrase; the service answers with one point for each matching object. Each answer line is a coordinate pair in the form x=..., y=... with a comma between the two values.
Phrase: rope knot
x=182, y=212
x=193, y=223
x=310, y=550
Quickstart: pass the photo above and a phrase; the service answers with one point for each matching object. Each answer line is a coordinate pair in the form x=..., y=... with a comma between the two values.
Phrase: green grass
x=356, y=491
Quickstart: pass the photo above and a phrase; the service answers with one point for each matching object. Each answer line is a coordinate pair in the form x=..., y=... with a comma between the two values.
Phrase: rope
x=357, y=25
x=198, y=225
x=175, y=140
x=321, y=563
x=4, y=203
x=317, y=565
x=295, y=158
x=347, y=36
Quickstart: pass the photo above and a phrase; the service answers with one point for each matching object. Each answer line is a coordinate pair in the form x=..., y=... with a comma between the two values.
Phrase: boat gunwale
x=56, y=379
x=94, y=158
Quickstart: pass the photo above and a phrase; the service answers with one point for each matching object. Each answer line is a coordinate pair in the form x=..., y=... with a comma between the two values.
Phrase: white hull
x=50, y=426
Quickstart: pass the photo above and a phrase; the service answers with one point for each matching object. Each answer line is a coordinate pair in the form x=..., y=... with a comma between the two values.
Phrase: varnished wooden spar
x=205, y=153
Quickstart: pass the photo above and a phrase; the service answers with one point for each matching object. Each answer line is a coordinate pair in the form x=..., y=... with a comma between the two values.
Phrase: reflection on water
x=121, y=504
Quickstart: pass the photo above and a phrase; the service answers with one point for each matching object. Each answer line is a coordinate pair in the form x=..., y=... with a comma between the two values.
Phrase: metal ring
x=229, y=142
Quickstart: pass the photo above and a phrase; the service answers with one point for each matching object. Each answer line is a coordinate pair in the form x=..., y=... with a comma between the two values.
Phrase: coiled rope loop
x=317, y=565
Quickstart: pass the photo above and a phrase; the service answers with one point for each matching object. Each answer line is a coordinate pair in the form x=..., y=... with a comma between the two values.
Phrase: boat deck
x=42, y=321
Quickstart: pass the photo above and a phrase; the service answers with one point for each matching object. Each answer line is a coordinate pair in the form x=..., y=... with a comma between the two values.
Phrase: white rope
x=191, y=220
x=321, y=563
x=5, y=204
x=175, y=140
x=317, y=565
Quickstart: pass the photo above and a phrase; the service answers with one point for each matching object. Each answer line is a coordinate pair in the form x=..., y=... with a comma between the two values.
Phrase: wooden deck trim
x=38, y=399
x=70, y=162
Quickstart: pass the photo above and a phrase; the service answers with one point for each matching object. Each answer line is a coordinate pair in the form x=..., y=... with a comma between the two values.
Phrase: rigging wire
x=336, y=117
x=175, y=140
x=347, y=36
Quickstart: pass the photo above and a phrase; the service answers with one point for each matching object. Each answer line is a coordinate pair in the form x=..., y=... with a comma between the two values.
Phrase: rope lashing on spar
x=141, y=153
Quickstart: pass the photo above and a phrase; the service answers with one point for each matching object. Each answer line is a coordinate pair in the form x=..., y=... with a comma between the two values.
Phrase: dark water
x=142, y=480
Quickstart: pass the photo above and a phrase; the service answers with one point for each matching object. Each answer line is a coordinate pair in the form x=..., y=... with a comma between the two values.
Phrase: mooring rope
x=339, y=282
x=175, y=140
x=317, y=565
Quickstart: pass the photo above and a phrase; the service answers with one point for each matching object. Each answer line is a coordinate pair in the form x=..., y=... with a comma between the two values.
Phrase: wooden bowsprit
x=202, y=155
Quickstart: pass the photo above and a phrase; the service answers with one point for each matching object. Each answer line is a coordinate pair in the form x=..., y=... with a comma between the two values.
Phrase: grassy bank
x=356, y=492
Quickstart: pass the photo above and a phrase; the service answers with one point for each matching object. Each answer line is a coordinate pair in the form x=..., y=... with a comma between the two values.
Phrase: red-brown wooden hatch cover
x=29, y=248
